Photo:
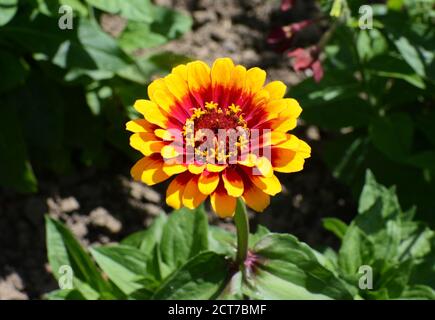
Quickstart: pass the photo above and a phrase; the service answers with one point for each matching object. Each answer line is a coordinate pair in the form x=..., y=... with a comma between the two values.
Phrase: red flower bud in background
x=304, y=59
x=286, y=4
x=282, y=37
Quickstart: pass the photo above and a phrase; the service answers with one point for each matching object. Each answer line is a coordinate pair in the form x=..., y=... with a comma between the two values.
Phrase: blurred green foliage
x=65, y=94
x=378, y=98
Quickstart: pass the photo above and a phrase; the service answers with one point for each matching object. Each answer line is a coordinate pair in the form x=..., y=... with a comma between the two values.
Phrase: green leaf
x=234, y=288
x=139, y=36
x=141, y=72
x=371, y=43
x=123, y=265
x=8, y=8
x=202, y=277
x=288, y=269
x=393, y=134
x=261, y=232
x=170, y=23
x=184, y=236
x=85, y=47
x=136, y=10
x=13, y=71
x=410, y=54
x=65, y=294
x=419, y=292
x=15, y=169
x=336, y=226
x=423, y=160
x=64, y=250
x=221, y=241
x=350, y=255
x=146, y=240
x=389, y=66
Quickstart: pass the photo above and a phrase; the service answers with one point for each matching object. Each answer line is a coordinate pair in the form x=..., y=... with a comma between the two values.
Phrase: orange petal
x=208, y=182
x=269, y=185
x=192, y=197
x=149, y=170
x=223, y=204
x=233, y=183
x=175, y=190
x=255, y=198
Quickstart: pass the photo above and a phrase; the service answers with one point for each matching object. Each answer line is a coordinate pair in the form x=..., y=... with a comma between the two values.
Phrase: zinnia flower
x=181, y=136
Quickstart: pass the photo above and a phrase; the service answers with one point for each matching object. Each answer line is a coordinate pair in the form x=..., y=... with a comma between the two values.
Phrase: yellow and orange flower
x=194, y=99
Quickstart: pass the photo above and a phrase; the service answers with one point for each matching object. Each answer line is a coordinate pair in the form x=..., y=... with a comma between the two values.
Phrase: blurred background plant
x=373, y=92
x=65, y=94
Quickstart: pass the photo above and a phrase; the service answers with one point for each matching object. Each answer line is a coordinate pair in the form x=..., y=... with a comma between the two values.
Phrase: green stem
x=242, y=226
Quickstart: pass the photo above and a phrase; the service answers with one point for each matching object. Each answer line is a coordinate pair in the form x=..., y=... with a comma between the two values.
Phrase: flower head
x=217, y=132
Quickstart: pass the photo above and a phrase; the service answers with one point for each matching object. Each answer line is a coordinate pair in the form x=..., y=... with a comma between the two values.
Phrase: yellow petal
x=146, y=143
x=276, y=89
x=255, y=198
x=287, y=119
x=160, y=94
x=255, y=78
x=249, y=160
x=223, y=204
x=215, y=167
x=164, y=134
x=192, y=197
x=198, y=75
x=260, y=98
x=177, y=86
x=238, y=77
x=221, y=72
x=208, y=182
x=169, y=152
x=264, y=166
x=139, y=125
x=151, y=112
x=181, y=71
x=196, y=168
x=269, y=185
x=233, y=183
x=171, y=169
x=278, y=106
